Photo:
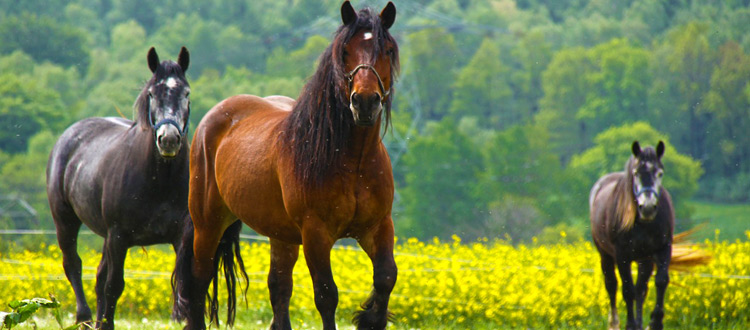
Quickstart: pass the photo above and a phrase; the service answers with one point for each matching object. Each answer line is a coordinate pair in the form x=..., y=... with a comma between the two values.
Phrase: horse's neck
x=365, y=139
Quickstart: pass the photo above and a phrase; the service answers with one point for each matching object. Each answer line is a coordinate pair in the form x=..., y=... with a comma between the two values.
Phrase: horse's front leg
x=116, y=249
x=661, y=280
x=645, y=268
x=628, y=292
x=610, y=283
x=378, y=244
x=280, y=284
x=317, y=244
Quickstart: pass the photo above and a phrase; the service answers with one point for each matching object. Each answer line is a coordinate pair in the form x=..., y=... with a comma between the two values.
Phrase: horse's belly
x=252, y=194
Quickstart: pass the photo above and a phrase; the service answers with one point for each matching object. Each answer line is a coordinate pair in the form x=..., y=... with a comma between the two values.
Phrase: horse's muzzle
x=168, y=140
x=648, y=212
x=365, y=108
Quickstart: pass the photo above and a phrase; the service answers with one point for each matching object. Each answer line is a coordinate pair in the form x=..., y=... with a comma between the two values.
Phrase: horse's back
x=82, y=139
x=282, y=102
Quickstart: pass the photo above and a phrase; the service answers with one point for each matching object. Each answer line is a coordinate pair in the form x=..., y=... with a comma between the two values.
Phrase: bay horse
x=126, y=180
x=305, y=173
x=632, y=219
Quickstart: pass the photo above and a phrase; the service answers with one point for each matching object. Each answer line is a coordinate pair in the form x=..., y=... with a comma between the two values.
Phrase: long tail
x=228, y=250
x=182, y=277
x=685, y=254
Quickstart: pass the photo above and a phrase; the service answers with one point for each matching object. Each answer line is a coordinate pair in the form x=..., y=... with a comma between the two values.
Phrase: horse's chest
x=640, y=244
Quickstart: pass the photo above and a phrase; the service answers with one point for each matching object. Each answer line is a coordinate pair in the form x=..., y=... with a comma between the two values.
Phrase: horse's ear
x=348, y=14
x=660, y=149
x=636, y=149
x=388, y=15
x=153, y=59
x=183, y=59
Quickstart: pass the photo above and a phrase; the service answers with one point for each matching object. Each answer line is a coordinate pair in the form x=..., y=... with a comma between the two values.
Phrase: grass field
x=441, y=285
x=731, y=220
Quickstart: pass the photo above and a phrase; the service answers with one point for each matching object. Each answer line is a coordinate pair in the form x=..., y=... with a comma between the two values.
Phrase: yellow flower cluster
x=450, y=284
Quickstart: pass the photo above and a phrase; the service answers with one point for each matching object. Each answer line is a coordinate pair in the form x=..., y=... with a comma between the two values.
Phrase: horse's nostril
x=355, y=99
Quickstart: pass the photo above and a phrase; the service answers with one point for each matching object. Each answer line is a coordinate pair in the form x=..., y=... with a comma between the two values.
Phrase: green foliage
x=44, y=39
x=442, y=165
x=526, y=84
x=427, y=56
x=480, y=90
x=22, y=310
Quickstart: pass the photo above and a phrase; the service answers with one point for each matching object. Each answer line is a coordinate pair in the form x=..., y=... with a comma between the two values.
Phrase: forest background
x=505, y=112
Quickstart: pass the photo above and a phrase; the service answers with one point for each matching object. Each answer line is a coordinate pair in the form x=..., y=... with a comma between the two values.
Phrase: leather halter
x=350, y=76
x=643, y=190
x=155, y=126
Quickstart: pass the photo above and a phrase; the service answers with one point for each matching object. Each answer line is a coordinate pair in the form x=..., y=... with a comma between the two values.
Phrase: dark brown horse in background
x=632, y=219
x=126, y=180
x=304, y=173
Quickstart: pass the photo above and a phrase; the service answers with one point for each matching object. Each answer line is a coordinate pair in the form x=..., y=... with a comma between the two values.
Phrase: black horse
x=632, y=219
x=126, y=180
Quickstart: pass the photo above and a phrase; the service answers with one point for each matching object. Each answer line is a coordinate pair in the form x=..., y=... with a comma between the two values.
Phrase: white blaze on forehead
x=171, y=82
x=368, y=35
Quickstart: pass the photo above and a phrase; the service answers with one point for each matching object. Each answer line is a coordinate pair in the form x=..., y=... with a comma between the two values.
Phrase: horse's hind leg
x=68, y=225
x=641, y=289
x=379, y=247
x=610, y=282
x=317, y=244
x=280, y=285
x=661, y=280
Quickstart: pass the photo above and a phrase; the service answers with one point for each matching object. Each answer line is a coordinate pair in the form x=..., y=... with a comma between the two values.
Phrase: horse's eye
x=390, y=52
x=659, y=175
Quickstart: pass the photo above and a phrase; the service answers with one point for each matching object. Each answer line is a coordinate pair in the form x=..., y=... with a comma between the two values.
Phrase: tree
x=565, y=92
x=301, y=62
x=438, y=198
x=588, y=91
x=728, y=101
x=618, y=86
x=682, y=75
x=428, y=58
x=520, y=182
x=23, y=176
x=481, y=89
x=44, y=39
x=25, y=109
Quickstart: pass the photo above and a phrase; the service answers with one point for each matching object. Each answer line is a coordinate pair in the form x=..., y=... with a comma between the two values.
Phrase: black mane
x=320, y=124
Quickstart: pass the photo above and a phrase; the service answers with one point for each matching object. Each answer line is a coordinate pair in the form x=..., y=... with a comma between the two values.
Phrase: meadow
x=441, y=285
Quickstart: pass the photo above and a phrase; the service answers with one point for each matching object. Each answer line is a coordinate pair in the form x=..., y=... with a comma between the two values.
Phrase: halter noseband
x=155, y=126
x=350, y=76
x=643, y=190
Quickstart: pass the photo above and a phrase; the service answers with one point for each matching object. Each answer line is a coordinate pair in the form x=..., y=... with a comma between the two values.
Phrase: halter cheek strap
x=350, y=76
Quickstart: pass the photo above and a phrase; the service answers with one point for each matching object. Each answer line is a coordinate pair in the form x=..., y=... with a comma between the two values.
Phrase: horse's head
x=370, y=61
x=647, y=171
x=168, y=102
